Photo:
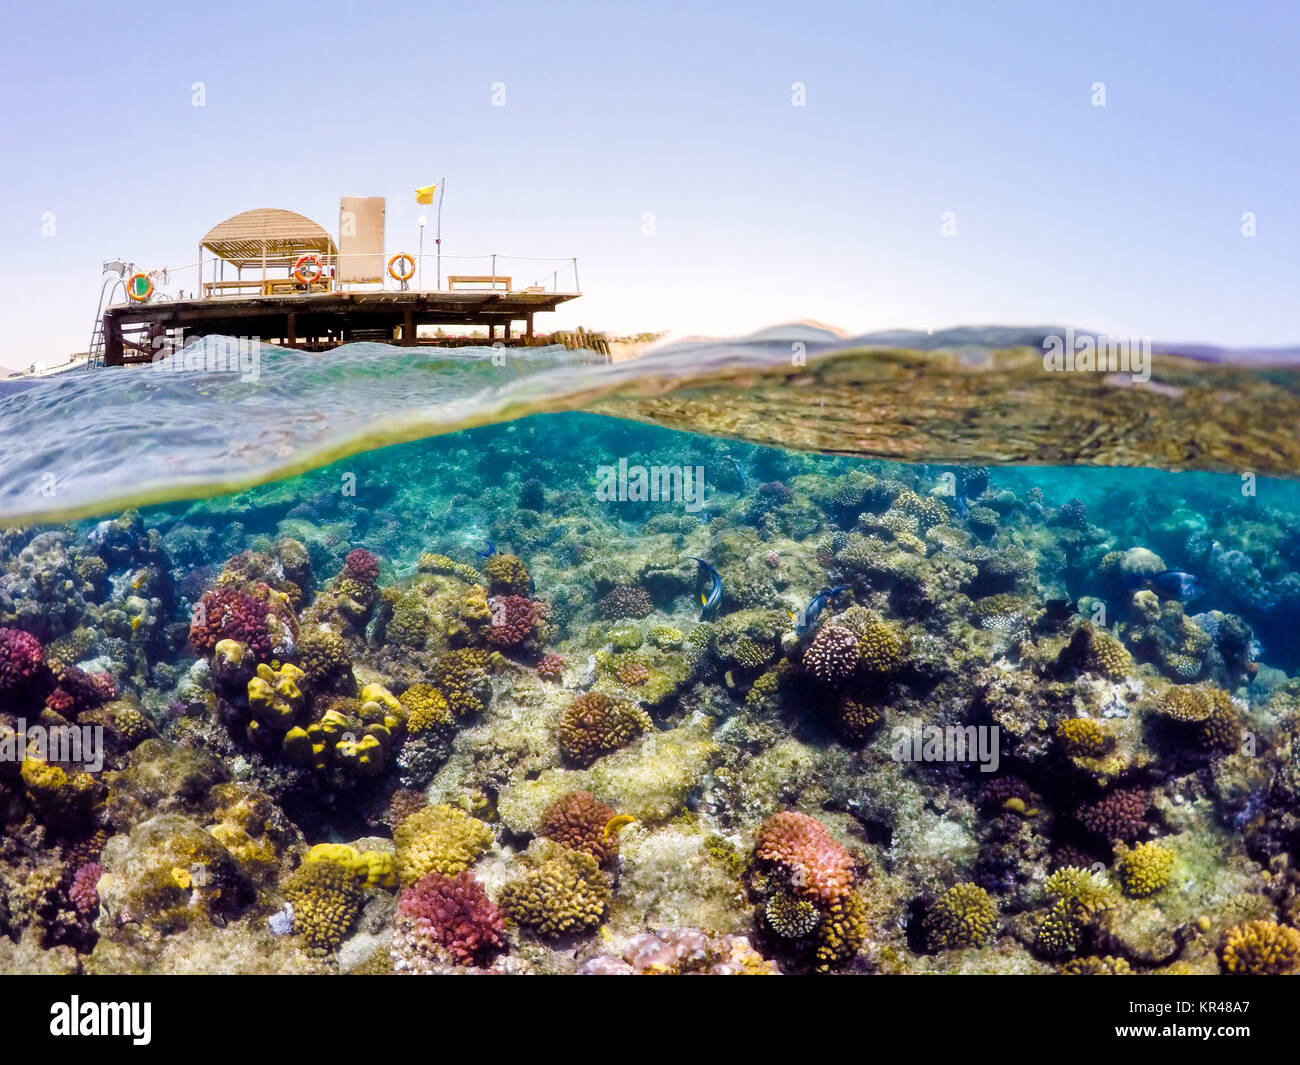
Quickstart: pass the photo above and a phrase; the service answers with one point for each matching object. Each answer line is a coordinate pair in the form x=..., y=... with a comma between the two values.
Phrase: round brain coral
x=815, y=864
x=1260, y=948
x=626, y=601
x=594, y=724
x=452, y=916
x=361, y=566
x=229, y=614
x=833, y=654
x=577, y=821
x=438, y=839
x=565, y=895
x=1145, y=869
x=22, y=661
x=963, y=916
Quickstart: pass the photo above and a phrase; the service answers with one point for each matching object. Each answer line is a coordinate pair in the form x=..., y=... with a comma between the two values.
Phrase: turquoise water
x=378, y=589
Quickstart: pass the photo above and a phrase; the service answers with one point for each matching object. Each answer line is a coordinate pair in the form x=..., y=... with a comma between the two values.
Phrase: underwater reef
x=445, y=708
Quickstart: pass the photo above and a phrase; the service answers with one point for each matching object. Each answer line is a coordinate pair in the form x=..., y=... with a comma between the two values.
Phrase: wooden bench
x=270, y=287
x=476, y=279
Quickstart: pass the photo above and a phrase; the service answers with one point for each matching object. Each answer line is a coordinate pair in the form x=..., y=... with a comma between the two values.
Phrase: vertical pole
x=419, y=281
x=529, y=334
x=291, y=330
x=576, y=286
x=442, y=186
x=408, y=327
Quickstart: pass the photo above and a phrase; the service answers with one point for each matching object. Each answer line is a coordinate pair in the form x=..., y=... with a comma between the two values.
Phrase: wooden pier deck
x=320, y=320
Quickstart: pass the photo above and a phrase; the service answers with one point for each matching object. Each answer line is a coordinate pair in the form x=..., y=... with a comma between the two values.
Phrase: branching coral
x=1145, y=869
x=438, y=839
x=595, y=723
x=447, y=919
x=833, y=654
x=963, y=916
x=1260, y=948
x=578, y=821
x=564, y=895
x=813, y=862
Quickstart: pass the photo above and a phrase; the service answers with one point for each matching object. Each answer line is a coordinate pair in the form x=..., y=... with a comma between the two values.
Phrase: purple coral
x=83, y=891
x=1117, y=816
x=22, y=661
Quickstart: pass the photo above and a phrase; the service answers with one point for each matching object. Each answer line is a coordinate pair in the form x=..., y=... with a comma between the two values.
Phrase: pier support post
x=408, y=327
x=528, y=334
x=492, y=331
x=113, y=354
x=507, y=332
x=290, y=330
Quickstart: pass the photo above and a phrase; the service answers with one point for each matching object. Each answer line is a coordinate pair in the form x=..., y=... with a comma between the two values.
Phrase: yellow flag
x=425, y=194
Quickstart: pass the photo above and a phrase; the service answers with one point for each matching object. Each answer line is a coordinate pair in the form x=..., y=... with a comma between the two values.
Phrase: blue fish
x=709, y=600
x=1171, y=584
x=740, y=470
x=491, y=550
x=807, y=617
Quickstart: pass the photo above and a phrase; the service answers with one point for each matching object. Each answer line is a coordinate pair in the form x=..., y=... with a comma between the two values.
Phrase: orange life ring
x=392, y=267
x=313, y=259
x=136, y=294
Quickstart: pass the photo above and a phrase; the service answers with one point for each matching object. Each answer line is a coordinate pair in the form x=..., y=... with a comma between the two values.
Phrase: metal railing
x=207, y=279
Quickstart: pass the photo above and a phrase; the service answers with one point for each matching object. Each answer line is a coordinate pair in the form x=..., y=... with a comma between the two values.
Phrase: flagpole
x=442, y=185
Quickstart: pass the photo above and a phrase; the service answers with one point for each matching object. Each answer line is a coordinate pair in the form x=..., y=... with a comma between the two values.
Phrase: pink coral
x=361, y=566
x=513, y=618
x=228, y=614
x=22, y=661
x=83, y=891
x=817, y=865
x=452, y=915
x=550, y=667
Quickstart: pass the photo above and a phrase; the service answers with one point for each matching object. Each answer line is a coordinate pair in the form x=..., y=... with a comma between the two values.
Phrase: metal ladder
x=95, y=353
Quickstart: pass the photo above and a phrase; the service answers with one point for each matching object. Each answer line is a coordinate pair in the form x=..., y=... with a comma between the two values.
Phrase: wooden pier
x=317, y=321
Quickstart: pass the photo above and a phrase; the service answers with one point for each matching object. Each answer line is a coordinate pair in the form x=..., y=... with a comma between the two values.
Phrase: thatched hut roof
x=268, y=235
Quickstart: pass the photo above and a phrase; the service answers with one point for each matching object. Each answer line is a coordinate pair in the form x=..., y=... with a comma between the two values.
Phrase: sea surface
x=511, y=660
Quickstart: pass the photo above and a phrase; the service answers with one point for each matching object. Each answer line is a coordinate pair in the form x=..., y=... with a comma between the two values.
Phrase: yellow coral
x=276, y=696
x=841, y=933
x=1083, y=737
x=1260, y=948
x=426, y=708
x=438, y=839
x=372, y=868
x=564, y=895
x=1145, y=869
x=326, y=898
x=963, y=916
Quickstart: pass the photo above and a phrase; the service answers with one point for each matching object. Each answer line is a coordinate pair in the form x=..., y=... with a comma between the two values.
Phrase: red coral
x=361, y=566
x=817, y=865
x=577, y=820
x=78, y=690
x=1117, y=816
x=551, y=667
x=82, y=892
x=454, y=913
x=22, y=661
x=227, y=614
x=513, y=618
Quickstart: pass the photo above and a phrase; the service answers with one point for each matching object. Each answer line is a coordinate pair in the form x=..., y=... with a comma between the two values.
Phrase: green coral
x=507, y=575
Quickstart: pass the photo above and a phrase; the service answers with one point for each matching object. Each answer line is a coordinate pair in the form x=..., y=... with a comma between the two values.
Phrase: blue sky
x=1125, y=218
